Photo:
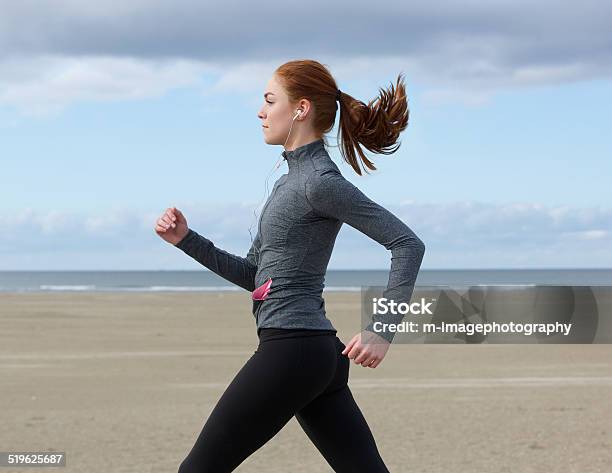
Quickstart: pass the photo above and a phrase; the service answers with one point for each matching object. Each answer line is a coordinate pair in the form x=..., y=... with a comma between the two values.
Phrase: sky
x=110, y=114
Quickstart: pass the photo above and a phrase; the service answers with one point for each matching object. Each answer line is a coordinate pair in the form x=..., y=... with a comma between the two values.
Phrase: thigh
x=263, y=396
x=338, y=429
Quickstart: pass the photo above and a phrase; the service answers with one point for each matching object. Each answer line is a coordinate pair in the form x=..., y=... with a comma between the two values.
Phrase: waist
x=291, y=281
x=274, y=333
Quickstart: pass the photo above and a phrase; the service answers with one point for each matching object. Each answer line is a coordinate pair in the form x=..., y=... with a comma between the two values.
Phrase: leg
x=263, y=396
x=336, y=426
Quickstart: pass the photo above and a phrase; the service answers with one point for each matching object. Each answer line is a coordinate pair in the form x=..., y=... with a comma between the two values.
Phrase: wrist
x=190, y=233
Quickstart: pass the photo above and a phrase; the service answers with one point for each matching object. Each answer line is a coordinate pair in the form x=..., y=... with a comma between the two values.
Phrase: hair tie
x=338, y=94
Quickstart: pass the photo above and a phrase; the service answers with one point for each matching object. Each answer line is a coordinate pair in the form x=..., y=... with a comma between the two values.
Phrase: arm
x=331, y=195
x=240, y=271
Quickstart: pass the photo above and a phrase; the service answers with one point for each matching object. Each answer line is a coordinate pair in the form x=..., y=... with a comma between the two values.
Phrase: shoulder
x=321, y=179
x=327, y=187
x=322, y=169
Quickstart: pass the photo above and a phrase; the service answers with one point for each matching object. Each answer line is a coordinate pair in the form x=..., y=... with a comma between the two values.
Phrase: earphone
x=298, y=112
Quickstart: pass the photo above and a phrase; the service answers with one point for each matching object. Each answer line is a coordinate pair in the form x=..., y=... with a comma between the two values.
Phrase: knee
x=187, y=466
x=184, y=467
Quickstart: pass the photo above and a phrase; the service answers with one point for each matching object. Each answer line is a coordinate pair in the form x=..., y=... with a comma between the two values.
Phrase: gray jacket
x=286, y=264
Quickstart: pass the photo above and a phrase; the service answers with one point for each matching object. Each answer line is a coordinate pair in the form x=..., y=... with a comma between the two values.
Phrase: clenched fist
x=172, y=225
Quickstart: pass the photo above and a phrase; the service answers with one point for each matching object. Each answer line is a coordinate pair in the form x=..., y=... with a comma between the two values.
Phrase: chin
x=270, y=140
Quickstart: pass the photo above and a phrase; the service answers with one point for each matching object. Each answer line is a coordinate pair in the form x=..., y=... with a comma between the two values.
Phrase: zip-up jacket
x=286, y=264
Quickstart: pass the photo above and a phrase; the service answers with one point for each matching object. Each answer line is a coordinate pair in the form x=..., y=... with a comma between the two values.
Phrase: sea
x=335, y=280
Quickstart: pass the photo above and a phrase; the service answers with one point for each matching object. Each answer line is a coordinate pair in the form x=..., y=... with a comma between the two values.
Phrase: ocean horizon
x=336, y=280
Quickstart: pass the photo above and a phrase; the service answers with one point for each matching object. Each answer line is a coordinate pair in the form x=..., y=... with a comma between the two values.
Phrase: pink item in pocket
x=262, y=291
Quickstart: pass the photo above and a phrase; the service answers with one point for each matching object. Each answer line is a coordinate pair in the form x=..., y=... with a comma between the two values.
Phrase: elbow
x=410, y=240
x=420, y=247
x=411, y=246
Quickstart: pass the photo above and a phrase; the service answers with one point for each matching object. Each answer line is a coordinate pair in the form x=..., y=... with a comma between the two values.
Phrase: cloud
x=55, y=53
x=46, y=84
x=461, y=234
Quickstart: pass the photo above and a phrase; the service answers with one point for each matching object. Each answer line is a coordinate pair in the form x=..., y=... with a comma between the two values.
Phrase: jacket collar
x=309, y=149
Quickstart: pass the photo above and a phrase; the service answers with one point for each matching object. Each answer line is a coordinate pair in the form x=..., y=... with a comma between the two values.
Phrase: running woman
x=300, y=367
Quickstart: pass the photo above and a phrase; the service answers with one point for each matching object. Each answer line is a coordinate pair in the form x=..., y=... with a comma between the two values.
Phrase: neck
x=299, y=137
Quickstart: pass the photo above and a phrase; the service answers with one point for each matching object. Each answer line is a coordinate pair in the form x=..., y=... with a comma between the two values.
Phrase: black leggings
x=302, y=373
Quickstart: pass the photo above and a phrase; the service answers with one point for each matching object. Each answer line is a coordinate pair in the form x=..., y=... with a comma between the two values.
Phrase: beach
x=123, y=382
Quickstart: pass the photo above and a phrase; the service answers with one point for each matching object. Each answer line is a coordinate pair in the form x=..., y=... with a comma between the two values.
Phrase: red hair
x=375, y=126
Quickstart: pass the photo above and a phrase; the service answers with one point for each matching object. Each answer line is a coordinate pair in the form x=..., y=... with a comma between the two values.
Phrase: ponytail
x=375, y=126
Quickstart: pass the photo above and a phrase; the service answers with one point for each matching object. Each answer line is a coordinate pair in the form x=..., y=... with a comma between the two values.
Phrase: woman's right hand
x=172, y=225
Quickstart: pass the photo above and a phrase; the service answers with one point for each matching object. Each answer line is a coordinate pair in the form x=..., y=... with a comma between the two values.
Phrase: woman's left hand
x=368, y=351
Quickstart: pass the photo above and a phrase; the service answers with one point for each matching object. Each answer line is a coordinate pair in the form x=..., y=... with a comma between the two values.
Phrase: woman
x=300, y=366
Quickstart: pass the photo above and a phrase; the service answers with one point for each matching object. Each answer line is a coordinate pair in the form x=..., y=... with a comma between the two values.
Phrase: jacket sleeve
x=238, y=270
x=332, y=196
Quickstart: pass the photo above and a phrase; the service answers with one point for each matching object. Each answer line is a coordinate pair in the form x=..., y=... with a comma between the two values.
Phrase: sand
x=123, y=382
